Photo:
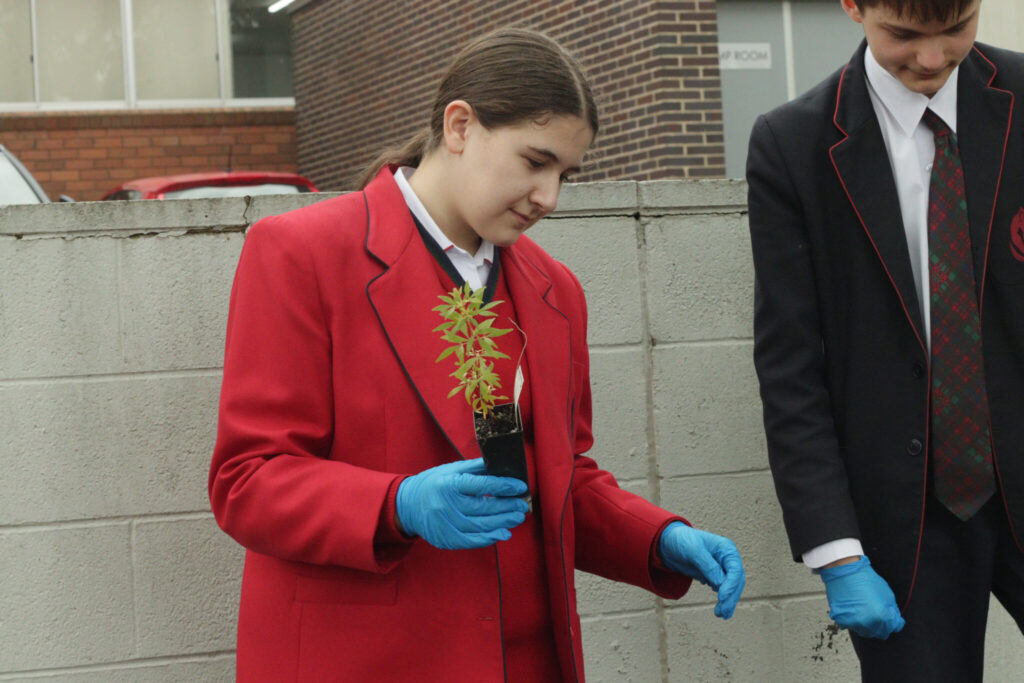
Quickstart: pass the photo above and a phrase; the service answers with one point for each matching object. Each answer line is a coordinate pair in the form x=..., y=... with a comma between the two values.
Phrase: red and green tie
x=961, y=447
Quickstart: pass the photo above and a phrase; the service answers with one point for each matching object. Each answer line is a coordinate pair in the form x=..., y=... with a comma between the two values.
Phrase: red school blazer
x=331, y=392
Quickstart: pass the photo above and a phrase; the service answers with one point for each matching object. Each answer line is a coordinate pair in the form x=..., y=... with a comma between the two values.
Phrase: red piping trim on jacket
x=924, y=491
x=984, y=274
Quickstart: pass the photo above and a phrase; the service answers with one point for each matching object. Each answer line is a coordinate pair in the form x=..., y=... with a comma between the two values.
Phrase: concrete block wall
x=111, y=332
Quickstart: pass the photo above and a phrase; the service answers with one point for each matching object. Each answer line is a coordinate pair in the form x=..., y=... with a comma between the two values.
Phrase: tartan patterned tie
x=961, y=449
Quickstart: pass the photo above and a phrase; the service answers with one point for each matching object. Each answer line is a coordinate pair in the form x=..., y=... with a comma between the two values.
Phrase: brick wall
x=85, y=154
x=365, y=73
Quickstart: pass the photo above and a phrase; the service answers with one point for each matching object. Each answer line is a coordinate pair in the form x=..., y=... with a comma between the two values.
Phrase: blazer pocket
x=345, y=586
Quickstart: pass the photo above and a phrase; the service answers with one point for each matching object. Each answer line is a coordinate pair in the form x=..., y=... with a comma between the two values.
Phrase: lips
x=523, y=220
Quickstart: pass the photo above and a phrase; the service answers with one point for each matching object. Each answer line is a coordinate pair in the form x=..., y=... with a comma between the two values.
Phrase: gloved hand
x=860, y=600
x=456, y=505
x=712, y=560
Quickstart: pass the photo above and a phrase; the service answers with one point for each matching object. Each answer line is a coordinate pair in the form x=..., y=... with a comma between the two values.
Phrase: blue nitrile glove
x=456, y=505
x=860, y=600
x=712, y=560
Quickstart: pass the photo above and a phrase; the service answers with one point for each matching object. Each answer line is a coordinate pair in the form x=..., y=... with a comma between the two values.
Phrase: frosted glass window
x=79, y=50
x=261, y=55
x=16, y=51
x=175, y=49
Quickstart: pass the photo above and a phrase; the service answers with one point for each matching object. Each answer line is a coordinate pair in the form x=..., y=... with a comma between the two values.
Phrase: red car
x=213, y=184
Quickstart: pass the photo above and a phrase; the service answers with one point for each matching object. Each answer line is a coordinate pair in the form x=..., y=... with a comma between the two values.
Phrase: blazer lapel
x=549, y=363
x=983, y=126
x=404, y=307
x=862, y=164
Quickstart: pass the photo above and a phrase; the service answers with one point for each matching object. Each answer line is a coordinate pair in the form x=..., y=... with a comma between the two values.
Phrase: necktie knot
x=936, y=124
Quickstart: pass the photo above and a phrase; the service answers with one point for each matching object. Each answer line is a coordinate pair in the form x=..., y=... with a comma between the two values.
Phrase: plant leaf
x=447, y=352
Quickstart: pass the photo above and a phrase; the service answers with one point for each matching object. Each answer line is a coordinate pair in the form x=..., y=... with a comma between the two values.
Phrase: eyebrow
x=902, y=29
x=552, y=156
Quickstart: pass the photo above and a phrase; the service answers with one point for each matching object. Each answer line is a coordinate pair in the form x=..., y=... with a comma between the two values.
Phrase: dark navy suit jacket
x=839, y=341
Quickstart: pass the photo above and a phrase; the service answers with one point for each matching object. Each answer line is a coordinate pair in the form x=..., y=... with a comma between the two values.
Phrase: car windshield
x=14, y=189
x=231, y=191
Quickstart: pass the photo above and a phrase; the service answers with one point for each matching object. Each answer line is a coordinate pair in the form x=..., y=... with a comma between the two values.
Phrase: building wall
x=113, y=318
x=85, y=154
x=365, y=73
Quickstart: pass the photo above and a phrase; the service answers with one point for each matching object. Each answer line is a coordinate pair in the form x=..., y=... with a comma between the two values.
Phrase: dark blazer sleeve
x=789, y=354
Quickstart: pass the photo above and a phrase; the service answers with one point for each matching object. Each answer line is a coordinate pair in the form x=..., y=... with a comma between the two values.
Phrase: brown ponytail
x=508, y=76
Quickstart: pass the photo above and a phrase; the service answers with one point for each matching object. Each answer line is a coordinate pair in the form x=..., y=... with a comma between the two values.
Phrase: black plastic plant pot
x=501, y=440
x=505, y=456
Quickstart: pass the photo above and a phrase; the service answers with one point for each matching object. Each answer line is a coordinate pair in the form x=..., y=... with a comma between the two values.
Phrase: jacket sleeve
x=271, y=485
x=789, y=356
x=617, y=531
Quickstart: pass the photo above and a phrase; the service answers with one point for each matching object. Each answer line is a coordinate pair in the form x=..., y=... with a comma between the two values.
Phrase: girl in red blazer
x=378, y=549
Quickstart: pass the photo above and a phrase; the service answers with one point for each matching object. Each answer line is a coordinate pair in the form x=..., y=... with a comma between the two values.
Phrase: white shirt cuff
x=815, y=558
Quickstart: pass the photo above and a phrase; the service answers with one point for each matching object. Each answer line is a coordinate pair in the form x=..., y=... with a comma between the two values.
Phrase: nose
x=931, y=56
x=545, y=194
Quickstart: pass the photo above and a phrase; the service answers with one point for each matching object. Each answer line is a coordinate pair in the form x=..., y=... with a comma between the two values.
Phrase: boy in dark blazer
x=887, y=225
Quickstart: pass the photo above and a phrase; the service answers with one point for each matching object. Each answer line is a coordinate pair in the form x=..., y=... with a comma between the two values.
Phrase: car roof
x=181, y=181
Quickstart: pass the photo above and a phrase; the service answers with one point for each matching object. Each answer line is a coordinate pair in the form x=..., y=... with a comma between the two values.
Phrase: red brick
x=85, y=154
x=347, y=86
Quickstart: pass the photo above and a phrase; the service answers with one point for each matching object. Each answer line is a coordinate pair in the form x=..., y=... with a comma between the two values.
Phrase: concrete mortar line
x=612, y=616
x=98, y=523
x=733, y=474
x=720, y=210
x=122, y=333
x=618, y=346
x=116, y=666
x=698, y=343
x=112, y=377
x=136, y=616
x=653, y=475
x=124, y=234
x=775, y=602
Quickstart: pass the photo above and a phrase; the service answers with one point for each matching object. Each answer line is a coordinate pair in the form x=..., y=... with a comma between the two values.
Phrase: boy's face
x=921, y=55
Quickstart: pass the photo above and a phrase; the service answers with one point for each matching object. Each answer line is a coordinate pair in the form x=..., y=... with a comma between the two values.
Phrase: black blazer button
x=914, y=446
x=918, y=370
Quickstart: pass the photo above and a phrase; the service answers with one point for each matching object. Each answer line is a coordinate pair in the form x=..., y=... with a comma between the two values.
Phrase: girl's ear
x=458, y=118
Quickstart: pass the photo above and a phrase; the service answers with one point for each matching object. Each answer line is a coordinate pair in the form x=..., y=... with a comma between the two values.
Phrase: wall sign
x=745, y=55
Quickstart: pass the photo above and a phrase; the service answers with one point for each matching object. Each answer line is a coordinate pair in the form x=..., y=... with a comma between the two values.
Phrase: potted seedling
x=469, y=329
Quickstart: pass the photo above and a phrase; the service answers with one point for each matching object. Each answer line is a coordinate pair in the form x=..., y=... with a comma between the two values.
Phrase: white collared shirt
x=910, y=145
x=474, y=268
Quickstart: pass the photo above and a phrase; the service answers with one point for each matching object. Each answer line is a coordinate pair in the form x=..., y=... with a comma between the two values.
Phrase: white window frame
x=131, y=101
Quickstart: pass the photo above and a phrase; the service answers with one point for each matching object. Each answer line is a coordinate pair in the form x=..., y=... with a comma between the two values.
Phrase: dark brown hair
x=508, y=76
x=921, y=10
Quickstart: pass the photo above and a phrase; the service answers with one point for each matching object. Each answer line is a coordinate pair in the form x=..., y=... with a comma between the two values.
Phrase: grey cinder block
x=707, y=409
x=187, y=581
x=65, y=597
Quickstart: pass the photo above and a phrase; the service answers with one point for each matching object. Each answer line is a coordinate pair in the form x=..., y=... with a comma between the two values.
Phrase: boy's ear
x=851, y=9
x=458, y=118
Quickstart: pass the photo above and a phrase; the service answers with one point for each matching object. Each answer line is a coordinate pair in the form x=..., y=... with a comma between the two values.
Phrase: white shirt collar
x=905, y=106
x=484, y=254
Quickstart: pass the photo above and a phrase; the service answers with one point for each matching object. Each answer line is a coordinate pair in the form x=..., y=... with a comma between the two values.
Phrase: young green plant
x=468, y=327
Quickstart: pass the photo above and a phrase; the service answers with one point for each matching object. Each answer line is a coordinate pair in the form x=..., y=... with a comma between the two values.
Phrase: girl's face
x=508, y=178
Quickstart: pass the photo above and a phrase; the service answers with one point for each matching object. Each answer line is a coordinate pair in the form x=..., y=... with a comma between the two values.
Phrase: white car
x=17, y=186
